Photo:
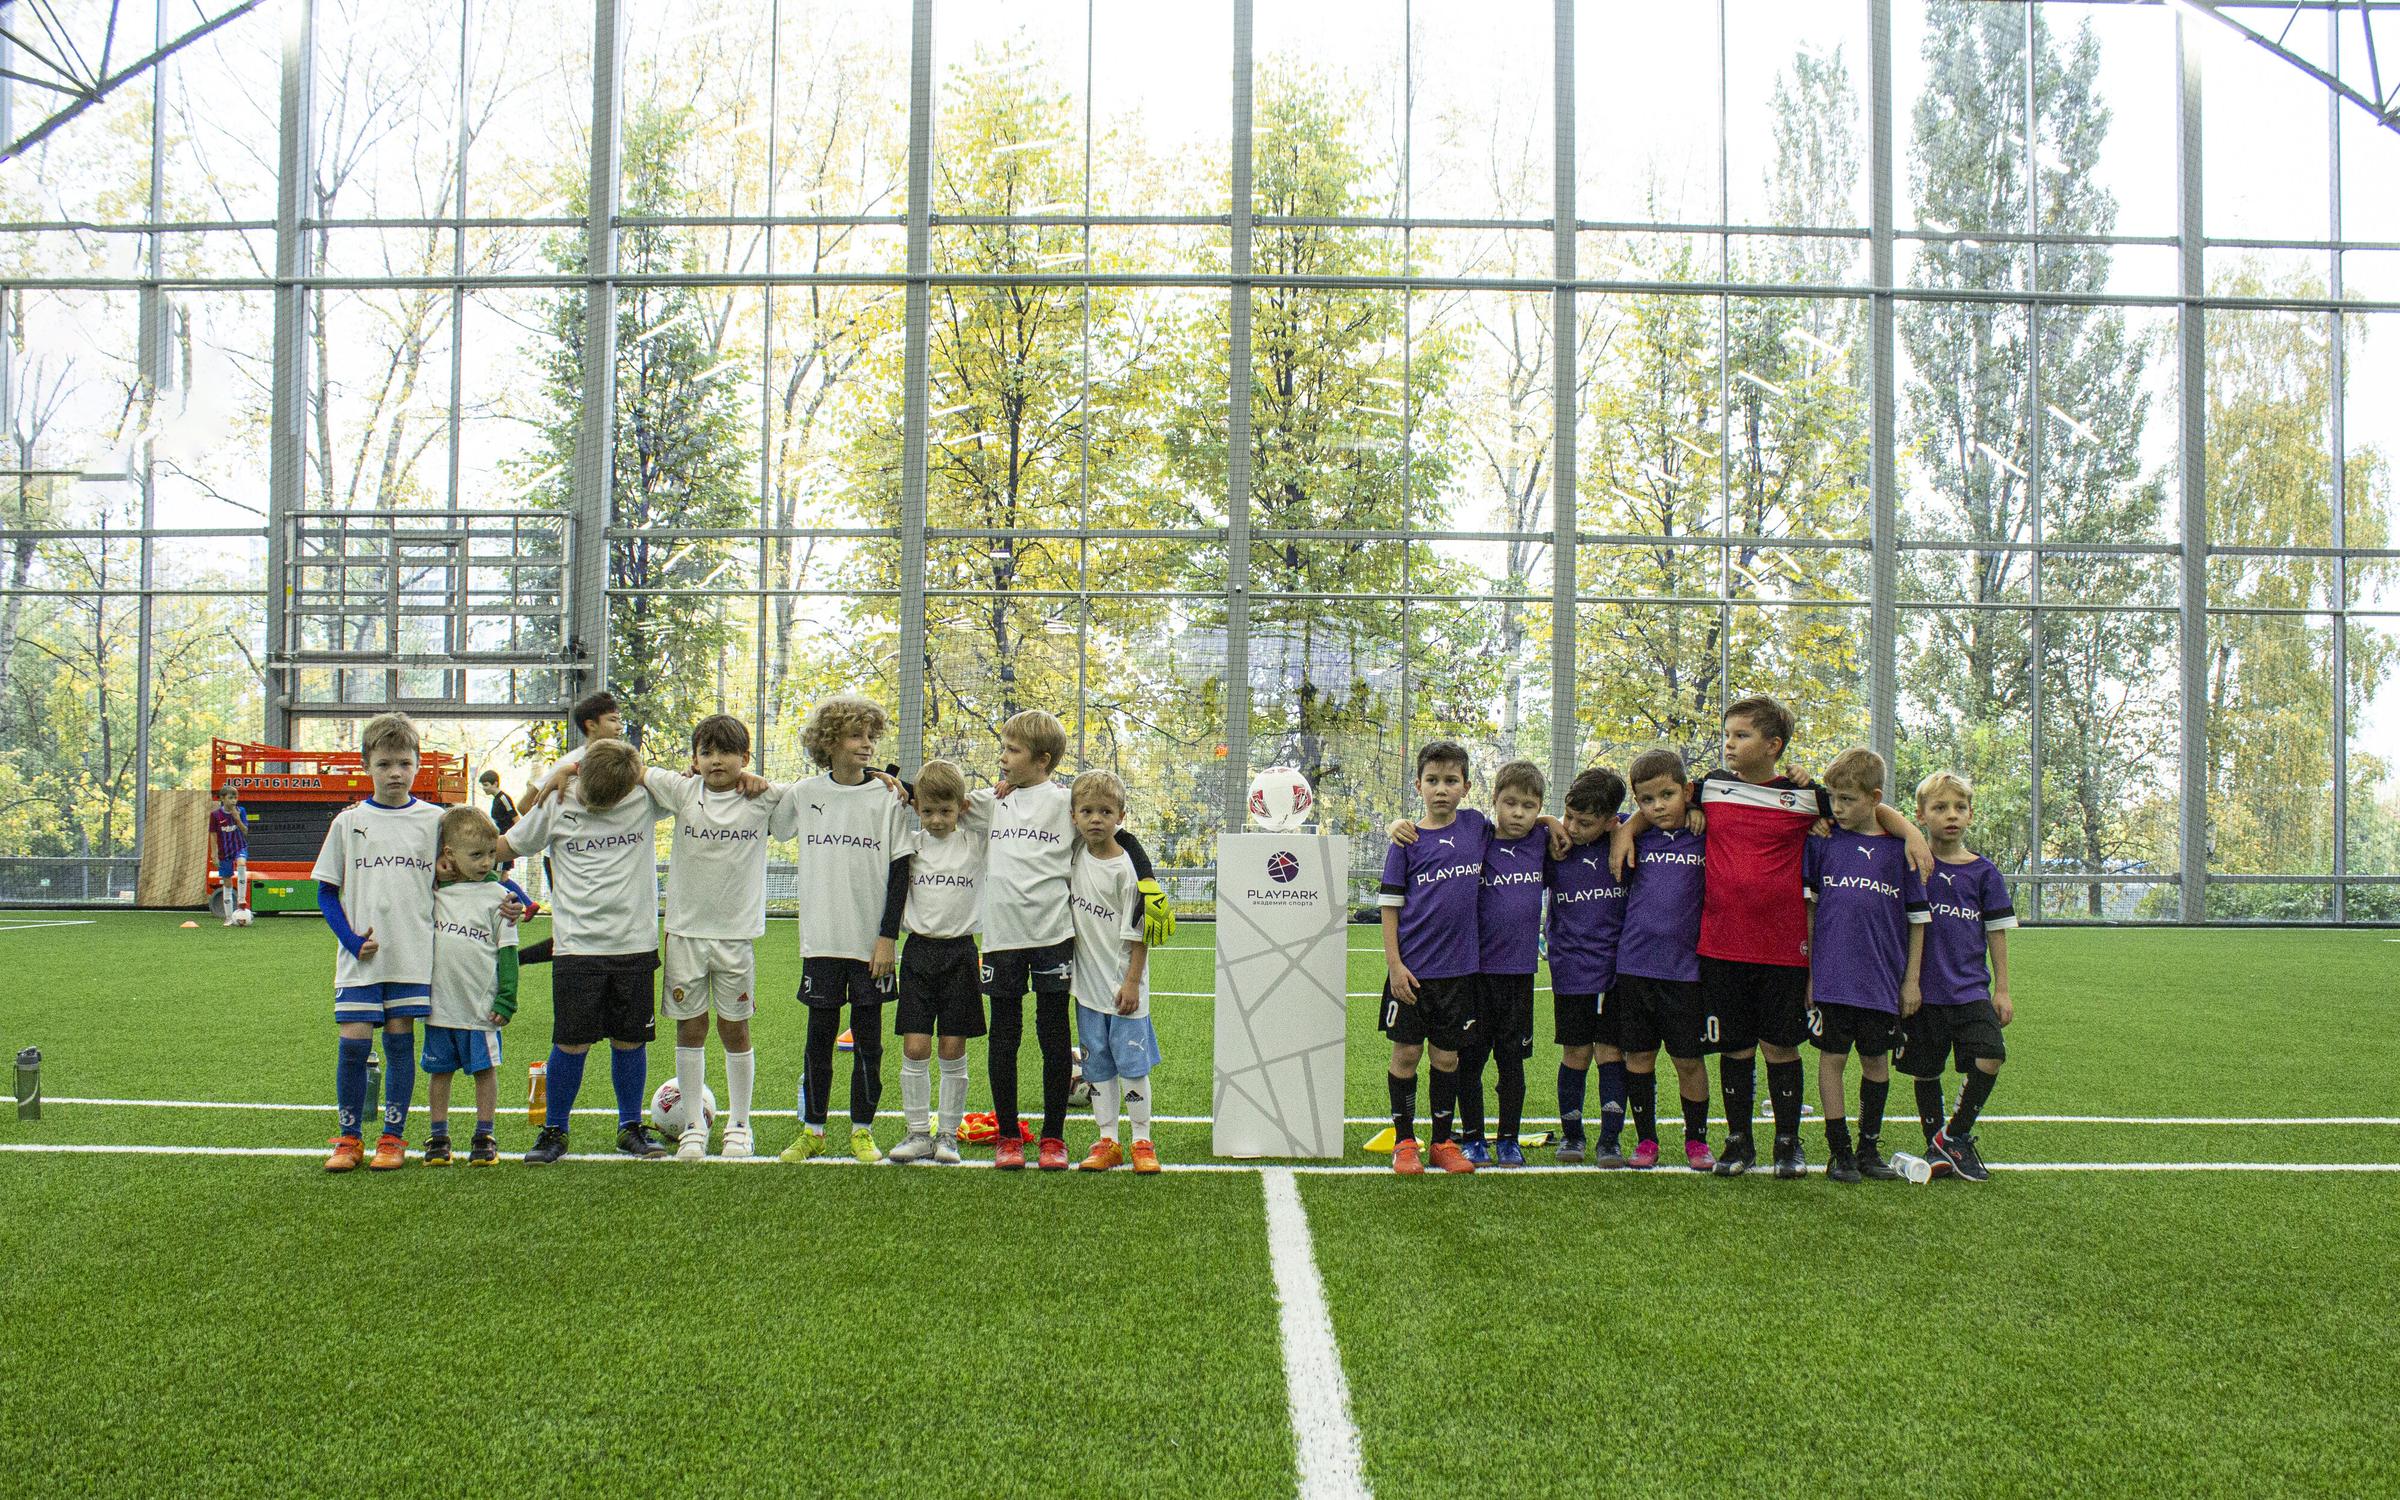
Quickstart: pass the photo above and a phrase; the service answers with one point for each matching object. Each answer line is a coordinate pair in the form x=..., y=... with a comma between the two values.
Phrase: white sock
x=691, y=1073
x=954, y=1094
x=1137, y=1103
x=1104, y=1107
x=916, y=1092
x=741, y=1071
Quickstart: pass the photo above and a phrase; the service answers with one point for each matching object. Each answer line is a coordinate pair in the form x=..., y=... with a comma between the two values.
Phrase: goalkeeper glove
x=1158, y=918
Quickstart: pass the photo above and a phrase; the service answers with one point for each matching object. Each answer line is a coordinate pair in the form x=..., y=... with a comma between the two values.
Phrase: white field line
x=29, y=926
x=1324, y=1438
x=893, y=1114
x=32, y=1148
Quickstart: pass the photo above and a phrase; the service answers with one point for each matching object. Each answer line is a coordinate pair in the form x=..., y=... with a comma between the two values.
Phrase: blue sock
x=439, y=1130
x=565, y=1080
x=1570, y=1101
x=350, y=1080
x=629, y=1070
x=1612, y=1100
x=399, y=1079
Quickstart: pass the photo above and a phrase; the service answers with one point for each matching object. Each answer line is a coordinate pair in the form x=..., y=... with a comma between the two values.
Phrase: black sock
x=1872, y=1096
x=1570, y=1103
x=1837, y=1135
x=1511, y=1090
x=1404, y=1106
x=1971, y=1096
x=1740, y=1085
x=1007, y=1038
x=1468, y=1084
x=1695, y=1119
x=1929, y=1107
x=1442, y=1095
x=1783, y=1092
x=824, y=1027
x=1641, y=1102
x=1051, y=1028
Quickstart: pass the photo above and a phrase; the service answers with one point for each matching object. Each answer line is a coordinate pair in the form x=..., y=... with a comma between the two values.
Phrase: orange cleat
x=1009, y=1154
x=1054, y=1154
x=1405, y=1160
x=391, y=1154
x=1106, y=1155
x=1145, y=1158
x=1449, y=1158
x=348, y=1151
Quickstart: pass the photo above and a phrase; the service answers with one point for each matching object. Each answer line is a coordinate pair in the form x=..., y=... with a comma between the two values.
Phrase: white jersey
x=468, y=934
x=717, y=872
x=1108, y=915
x=945, y=878
x=1033, y=845
x=382, y=858
x=849, y=836
x=603, y=871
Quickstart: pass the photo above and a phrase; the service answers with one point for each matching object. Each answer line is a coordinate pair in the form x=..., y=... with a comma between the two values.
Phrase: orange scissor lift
x=290, y=798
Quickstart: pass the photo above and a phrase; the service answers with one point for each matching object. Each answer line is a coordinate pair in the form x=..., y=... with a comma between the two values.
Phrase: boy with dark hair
x=1430, y=950
x=1587, y=918
x=227, y=830
x=1658, y=994
x=1966, y=1002
x=1508, y=925
x=595, y=716
x=1866, y=940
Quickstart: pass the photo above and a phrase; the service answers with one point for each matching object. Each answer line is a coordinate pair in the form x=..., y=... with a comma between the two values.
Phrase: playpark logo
x=1283, y=868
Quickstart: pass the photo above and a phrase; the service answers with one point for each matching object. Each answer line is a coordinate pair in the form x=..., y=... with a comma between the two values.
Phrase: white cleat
x=737, y=1142
x=917, y=1148
x=694, y=1146
x=945, y=1150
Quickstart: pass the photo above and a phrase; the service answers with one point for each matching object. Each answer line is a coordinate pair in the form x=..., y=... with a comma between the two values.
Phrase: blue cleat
x=1476, y=1151
x=1508, y=1154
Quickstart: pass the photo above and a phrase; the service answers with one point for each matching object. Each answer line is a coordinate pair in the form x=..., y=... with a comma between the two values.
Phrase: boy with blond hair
x=474, y=981
x=941, y=1002
x=1965, y=978
x=1112, y=981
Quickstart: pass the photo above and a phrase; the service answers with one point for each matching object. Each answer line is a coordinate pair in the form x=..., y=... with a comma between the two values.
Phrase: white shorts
x=702, y=973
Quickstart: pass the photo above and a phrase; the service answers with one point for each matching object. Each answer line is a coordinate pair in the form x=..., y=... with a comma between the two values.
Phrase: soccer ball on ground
x=1079, y=1088
x=1280, y=800
x=669, y=1114
x=241, y=917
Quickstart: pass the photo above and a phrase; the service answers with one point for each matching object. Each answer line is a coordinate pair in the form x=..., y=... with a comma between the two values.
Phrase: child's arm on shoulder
x=1559, y=842
x=1402, y=831
x=1620, y=841
x=1896, y=823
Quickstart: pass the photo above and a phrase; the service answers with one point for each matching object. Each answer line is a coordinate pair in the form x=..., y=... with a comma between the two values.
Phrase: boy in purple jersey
x=1866, y=943
x=1965, y=1003
x=1430, y=952
x=1658, y=966
x=1508, y=927
x=229, y=831
x=1587, y=915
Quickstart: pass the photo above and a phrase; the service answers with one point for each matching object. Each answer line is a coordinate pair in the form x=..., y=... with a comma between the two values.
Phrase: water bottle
x=537, y=1094
x=29, y=1084
x=1915, y=1168
x=374, y=1104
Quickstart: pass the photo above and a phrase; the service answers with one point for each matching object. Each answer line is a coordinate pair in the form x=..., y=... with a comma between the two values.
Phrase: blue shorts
x=459, y=1049
x=1115, y=1046
x=225, y=868
x=382, y=1002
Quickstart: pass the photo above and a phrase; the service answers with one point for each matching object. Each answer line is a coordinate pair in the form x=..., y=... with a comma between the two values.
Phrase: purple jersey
x=1866, y=896
x=1587, y=913
x=1508, y=907
x=1434, y=882
x=233, y=841
x=1662, y=906
x=1969, y=902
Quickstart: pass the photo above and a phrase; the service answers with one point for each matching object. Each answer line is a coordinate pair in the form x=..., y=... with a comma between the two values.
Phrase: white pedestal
x=1281, y=1010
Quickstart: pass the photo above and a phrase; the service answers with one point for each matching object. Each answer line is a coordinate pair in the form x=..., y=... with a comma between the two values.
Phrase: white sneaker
x=918, y=1147
x=737, y=1142
x=694, y=1146
x=945, y=1150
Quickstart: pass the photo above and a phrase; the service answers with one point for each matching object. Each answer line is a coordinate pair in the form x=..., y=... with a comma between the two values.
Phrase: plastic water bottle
x=537, y=1093
x=1915, y=1168
x=374, y=1105
x=29, y=1084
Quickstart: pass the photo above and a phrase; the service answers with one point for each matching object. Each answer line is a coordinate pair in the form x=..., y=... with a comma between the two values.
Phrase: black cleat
x=1739, y=1156
x=437, y=1151
x=1871, y=1164
x=1842, y=1168
x=640, y=1140
x=1790, y=1160
x=482, y=1151
x=1960, y=1153
x=548, y=1147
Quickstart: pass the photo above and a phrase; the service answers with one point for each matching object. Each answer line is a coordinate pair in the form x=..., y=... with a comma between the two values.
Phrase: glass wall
x=1598, y=365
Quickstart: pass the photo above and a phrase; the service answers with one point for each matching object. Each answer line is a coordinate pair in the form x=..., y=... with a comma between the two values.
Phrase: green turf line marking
x=1324, y=1439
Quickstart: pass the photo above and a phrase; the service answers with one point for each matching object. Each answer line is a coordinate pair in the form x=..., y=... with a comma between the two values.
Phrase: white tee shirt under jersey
x=849, y=836
x=717, y=870
x=603, y=871
x=1106, y=898
x=468, y=934
x=382, y=858
x=1025, y=889
x=945, y=877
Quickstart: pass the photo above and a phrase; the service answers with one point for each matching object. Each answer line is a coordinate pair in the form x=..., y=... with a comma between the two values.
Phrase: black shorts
x=1935, y=1033
x=1444, y=1014
x=831, y=983
x=1504, y=1012
x=1756, y=1003
x=609, y=997
x=1839, y=1028
x=1586, y=1020
x=938, y=993
x=1664, y=1014
x=1049, y=970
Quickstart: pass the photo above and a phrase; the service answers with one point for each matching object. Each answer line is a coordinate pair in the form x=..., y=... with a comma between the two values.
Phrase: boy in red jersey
x=1754, y=921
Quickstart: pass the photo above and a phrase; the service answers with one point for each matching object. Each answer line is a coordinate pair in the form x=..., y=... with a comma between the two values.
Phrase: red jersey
x=1753, y=911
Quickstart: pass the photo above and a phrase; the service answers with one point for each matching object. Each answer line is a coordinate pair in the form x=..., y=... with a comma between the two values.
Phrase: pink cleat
x=1645, y=1156
x=1698, y=1157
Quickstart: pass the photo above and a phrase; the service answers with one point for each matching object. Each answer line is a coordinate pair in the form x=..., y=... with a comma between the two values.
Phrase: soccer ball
x=668, y=1115
x=1079, y=1088
x=241, y=917
x=1280, y=800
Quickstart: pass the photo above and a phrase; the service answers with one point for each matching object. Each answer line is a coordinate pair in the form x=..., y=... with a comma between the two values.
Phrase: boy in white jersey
x=375, y=887
x=474, y=981
x=596, y=716
x=1112, y=982
x=853, y=885
x=716, y=908
x=602, y=839
x=939, y=969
